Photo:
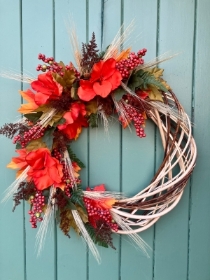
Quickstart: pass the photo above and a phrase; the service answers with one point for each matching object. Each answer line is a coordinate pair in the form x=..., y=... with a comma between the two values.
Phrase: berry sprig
x=96, y=213
x=37, y=203
x=137, y=118
x=126, y=65
x=53, y=66
x=34, y=133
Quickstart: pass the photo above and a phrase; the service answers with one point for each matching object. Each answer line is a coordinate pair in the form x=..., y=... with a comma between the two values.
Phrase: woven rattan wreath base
x=167, y=186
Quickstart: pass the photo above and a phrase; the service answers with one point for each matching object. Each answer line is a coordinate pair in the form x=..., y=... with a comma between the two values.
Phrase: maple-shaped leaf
x=36, y=144
x=68, y=76
x=154, y=94
x=91, y=107
x=158, y=73
x=149, y=79
x=67, y=221
x=55, y=119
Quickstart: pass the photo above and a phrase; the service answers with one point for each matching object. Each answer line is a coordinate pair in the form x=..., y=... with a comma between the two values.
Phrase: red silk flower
x=47, y=89
x=75, y=120
x=45, y=170
x=104, y=79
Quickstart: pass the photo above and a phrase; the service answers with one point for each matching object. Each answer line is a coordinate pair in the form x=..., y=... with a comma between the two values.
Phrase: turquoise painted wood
x=180, y=241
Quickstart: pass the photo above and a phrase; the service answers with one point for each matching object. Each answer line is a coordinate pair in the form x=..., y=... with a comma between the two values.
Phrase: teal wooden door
x=180, y=241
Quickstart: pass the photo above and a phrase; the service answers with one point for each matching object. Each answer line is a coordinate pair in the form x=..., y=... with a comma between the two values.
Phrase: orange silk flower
x=75, y=120
x=31, y=105
x=45, y=170
x=47, y=89
x=19, y=162
x=104, y=79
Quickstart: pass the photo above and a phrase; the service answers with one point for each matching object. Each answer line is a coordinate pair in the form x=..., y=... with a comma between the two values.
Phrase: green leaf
x=73, y=157
x=93, y=120
x=94, y=236
x=101, y=54
x=61, y=121
x=34, y=117
x=48, y=137
x=71, y=205
x=135, y=81
x=77, y=197
x=118, y=93
x=18, y=146
x=149, y=79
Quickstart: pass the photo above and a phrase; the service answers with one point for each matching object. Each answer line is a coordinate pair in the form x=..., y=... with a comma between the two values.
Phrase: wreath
x=64, y=100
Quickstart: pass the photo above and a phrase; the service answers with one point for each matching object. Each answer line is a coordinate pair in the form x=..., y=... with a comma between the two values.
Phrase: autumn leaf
x=91, y=107
x=31, y=105
x=68, y=76
x=35, y=144
x=123, y=55
x=54, y=119
x=43, y=108
x=67, y=221
x=82, y=214
x=158, y=73
x=154, y=94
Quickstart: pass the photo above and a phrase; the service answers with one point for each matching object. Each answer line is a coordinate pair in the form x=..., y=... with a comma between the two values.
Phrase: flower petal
x=86, y=94
x=41, y=98
x=96, y=71
x=108, y=68
x=103, y=89
x=115, y=79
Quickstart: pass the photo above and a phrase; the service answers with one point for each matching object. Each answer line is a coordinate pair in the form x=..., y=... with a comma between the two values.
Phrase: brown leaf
x=82, y=214
x=67, y=221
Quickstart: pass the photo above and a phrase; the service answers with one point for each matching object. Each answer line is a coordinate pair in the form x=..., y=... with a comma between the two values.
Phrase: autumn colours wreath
x=64, y=100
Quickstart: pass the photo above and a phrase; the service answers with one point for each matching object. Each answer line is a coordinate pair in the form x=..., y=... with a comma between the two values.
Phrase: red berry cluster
x=137, y=118
x=35, y=213
x=67, y=178
x=96, y=213
x=52, y=65
x=34, y=133
x=126, y=65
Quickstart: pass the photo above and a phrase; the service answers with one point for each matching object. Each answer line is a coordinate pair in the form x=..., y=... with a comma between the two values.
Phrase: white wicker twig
x=165, y=191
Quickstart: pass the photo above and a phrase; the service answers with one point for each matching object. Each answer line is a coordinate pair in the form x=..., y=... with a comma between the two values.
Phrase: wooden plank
x=199, y=264
x=171, y=232
x=37, y=18
x=11, y=224
x=104, y=152
x=138, y=154
x=71, y=253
